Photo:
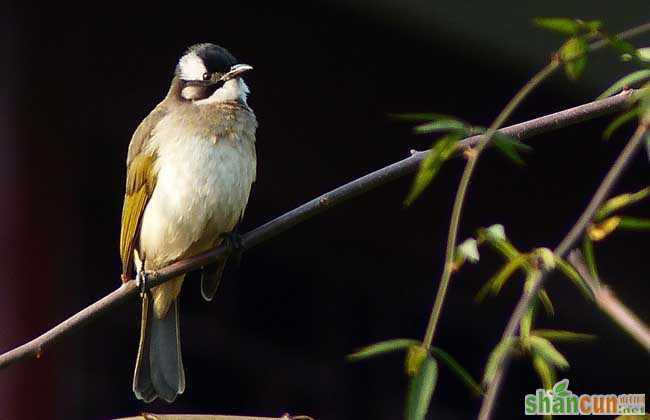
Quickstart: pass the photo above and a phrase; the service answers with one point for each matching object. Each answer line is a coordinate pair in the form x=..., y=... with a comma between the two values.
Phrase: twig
x=614, y=173
x=461, y=193
x=152, y=416
x=608, y=303
x=366, y=183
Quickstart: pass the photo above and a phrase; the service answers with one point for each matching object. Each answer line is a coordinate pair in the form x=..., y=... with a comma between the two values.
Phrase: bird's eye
x=207, y=76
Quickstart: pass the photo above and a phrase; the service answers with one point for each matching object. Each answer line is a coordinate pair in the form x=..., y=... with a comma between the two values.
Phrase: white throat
x=232, y=90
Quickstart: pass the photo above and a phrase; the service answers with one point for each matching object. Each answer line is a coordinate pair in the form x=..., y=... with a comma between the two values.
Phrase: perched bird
x=190, y=166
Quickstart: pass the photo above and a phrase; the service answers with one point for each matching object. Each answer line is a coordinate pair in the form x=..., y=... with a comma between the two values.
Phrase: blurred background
x=76, y=82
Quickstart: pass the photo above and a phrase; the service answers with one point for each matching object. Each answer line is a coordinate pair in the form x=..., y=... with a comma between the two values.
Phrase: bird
x=190, y=165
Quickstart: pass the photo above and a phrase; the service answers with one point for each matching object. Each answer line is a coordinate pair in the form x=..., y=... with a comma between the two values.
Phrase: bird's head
x=208, y=74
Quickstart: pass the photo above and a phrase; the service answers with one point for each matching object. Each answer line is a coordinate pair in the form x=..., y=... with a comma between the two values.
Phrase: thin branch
x=152, y=416
x=613, y=175
x=610, y=305
x=461, y=193
x=306, y=211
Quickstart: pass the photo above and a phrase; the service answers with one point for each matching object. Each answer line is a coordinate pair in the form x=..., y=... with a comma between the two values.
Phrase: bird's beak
x=236, y=71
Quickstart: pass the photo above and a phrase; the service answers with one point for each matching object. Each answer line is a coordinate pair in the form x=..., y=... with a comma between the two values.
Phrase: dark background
x=76, y=82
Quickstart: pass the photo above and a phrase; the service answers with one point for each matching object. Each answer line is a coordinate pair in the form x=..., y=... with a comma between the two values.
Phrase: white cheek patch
x=232, y=90
x=191, y=67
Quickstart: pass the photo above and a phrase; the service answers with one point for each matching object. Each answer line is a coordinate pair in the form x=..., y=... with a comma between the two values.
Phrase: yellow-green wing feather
x=140, y=182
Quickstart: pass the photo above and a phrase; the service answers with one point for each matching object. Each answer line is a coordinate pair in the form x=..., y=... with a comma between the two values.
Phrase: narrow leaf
x=573, y=275
x=431, y=164
x=510, y=147
x=502, y=349
x=621, y=201
x=590, y=257
x=421, y=389
x=626, y=82
x=383, y=347
x=526, y=323
x=565, y=26
x=545, y=349
x=546, y=302
x=590, y=25
x=444, y=125
x=563, y=336
x=619, y=121
x=545, y=371
x=633, y=223
x=496, y=282
x=574, y=55
x=457, y=370
x=421, y=116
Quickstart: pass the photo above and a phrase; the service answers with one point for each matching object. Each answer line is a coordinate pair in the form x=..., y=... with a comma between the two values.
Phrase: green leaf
x=442, y=125
x=620, y=201
x=382, y=347
x=573, y=275
x=619, y=121
x=545, y=371
x=496, y=282
x=442, y=150
x=545, y=349
x=590, y=25
x=590, y=257
x=527, y=322
x=622, y=46
x=565, y=26
x=422, y=116
x=634, y=223
x=501, y=350
x=563, y=336
x=574, y=55
x=510, y=146
x=643, y=54
x=626, y=82
x=546, y=302
x=421, y=389
x=457, y=370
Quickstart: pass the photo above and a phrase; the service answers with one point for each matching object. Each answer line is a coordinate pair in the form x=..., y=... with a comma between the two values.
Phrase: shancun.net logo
x=561, y=401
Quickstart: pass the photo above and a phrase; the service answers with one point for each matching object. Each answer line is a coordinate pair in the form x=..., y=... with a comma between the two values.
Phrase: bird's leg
x=235, y=243
x=141, y=281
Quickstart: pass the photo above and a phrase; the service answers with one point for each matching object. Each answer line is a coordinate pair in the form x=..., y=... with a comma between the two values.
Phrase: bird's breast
x=203, y=183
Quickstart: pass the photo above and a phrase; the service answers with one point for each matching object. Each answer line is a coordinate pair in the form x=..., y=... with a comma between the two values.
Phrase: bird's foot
x=141, y=282
x=235, y=243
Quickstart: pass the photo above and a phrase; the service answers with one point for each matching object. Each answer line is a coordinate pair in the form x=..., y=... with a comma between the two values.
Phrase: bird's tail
x=159, y=365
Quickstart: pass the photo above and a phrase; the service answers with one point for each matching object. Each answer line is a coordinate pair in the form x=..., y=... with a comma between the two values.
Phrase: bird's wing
x=140, y=183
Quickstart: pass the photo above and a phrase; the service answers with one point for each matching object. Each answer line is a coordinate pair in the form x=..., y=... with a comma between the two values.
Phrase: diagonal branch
x=306, y=211
x=610, y=305
x=604, y=189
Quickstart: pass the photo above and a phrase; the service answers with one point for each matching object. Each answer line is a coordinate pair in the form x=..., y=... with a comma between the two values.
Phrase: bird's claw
x=235, y=242
x=141, y=282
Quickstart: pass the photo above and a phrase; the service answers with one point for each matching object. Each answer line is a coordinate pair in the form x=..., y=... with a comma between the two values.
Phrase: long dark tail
x=159, y=365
